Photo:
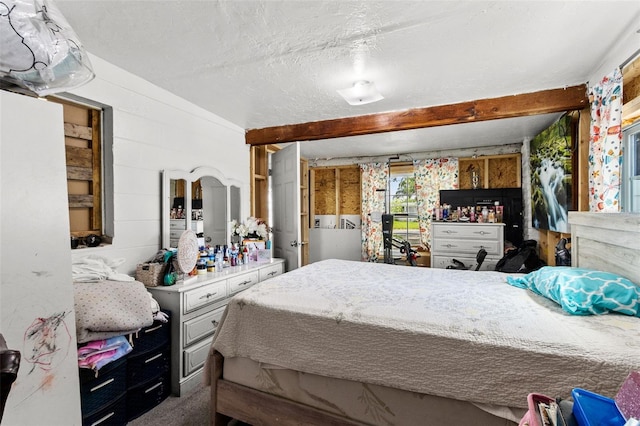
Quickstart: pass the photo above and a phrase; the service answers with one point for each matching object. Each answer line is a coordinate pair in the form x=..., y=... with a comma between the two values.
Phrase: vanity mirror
x=202, y=200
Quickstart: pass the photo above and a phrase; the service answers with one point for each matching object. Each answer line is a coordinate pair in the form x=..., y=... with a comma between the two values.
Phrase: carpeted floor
x=188, y=410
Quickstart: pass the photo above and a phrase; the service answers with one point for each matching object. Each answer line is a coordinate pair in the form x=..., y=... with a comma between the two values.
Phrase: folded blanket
x=98, y=353
x=110, y=308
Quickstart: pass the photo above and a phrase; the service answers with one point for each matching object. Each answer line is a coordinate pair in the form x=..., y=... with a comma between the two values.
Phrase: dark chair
x=482, y=253
x=9, y=364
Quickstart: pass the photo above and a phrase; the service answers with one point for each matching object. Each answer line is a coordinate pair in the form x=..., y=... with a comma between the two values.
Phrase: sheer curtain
x=605, y=144
x=432, y=175
x=374, y=177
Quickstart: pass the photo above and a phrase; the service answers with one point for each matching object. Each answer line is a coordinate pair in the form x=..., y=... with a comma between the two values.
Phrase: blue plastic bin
x=591, y=409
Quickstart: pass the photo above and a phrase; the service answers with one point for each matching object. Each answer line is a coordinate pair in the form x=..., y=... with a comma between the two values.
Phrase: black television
x=510, y=198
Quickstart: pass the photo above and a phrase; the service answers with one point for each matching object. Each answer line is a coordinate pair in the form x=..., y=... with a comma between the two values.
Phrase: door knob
x=294, y=243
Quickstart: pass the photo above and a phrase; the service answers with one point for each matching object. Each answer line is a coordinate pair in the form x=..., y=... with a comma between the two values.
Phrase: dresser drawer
x=180, y=224
x=242, y=282
x=203, y=296
x=202, y=326
x=444, y=261
x=467, y=232
x=463, y=247
x=270, y=271
x=176, y=234
x=489, y=264
x=195, y=356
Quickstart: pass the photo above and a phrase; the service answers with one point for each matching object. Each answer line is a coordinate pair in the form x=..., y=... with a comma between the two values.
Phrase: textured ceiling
x=268, y=63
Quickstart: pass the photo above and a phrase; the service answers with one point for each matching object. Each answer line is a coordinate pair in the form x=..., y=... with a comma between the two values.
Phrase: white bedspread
x=459, y=334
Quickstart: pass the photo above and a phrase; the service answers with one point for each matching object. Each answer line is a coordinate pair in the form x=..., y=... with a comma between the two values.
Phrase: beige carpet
x=189, y=410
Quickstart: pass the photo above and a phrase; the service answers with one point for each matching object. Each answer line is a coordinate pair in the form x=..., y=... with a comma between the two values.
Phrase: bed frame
x=608, y=242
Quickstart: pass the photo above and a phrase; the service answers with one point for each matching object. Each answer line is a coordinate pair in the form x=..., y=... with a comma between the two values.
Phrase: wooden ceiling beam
x=542, y=102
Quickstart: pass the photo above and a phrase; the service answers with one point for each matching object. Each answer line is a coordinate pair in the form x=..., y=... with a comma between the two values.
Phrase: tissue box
x=628, y=396
x=264, y=255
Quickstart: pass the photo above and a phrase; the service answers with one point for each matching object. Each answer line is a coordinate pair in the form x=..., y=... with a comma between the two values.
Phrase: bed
x=344, y=342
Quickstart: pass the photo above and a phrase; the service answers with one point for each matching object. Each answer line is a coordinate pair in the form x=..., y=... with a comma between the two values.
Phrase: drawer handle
x=448, y=231
x=482, y=232
x=450, y=245
x=215, y=323
x=101, y=385
x=97, y=422
x=153, y=387
x=245, y=282
x=153, y=358
x=272, y=273
x=153, y=329
x=479, y=247
x=208, y=295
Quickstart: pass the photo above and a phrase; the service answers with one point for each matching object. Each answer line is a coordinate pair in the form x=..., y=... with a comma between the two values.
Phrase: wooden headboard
x=607, y=242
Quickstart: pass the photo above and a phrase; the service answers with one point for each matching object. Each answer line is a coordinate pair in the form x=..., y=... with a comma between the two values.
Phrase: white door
x=285, y=181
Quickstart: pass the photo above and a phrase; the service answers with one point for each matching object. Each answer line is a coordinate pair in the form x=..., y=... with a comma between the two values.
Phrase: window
x=402, y=203
x=631, y=169
x=89, y=205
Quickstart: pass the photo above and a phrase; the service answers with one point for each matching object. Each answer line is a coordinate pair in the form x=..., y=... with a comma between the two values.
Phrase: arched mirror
x=202, y=200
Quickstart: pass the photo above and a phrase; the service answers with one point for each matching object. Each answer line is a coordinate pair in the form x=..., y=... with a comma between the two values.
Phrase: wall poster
x=551, y=169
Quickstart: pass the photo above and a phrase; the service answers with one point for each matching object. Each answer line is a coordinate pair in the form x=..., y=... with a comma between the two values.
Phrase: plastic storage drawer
x=112, y=415
x=144, y=367
x=152, y=337
x=146, y=396
x=99, y=392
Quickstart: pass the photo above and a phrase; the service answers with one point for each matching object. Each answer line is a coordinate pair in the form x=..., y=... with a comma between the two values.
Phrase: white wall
x=152, y=130
x=335, y=244
x=155, y=130
x=626, y=47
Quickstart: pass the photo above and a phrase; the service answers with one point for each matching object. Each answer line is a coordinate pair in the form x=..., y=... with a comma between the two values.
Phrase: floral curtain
x=605, y=145
x=432, y=175
x=374, y=176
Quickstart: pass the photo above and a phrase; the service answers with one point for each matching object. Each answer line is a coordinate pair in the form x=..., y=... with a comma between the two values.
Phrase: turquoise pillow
x=582, y=291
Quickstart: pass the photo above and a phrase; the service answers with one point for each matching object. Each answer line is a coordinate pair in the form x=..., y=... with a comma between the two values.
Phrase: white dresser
x=196, y=310
x=462, y=241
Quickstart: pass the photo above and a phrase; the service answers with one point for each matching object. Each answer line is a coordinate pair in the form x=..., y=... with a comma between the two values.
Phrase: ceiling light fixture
x=362, y=92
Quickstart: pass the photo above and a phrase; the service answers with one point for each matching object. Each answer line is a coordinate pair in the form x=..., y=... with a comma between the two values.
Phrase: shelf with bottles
x=480, y=213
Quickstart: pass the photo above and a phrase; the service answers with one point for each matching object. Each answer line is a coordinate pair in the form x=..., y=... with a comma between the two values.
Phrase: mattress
x=367, y=403
x=464, y=335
